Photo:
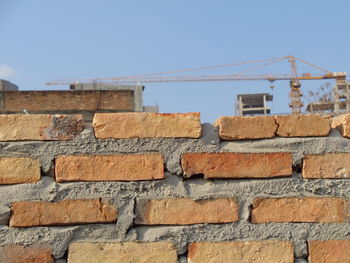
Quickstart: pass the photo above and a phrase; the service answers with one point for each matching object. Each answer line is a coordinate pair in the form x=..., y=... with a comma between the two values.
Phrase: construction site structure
x=253, y=104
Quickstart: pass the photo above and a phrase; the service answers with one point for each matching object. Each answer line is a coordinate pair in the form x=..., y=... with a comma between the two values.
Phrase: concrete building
x=253, y=104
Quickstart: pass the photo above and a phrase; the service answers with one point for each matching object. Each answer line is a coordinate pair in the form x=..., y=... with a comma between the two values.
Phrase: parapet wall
x=146, y=187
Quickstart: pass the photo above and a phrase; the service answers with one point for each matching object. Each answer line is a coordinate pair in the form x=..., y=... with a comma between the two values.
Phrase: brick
x=25, y=254
x=329, y=251
x=67, y=212
x=241, y=252
x=342, y=123
x=246, y=128
x=16, y=170
x=237, y=165
x=144, y=124
x=185, y=211
x=299, y=210
x=122, y=167
x=38, y=127
x=303, y=125
x=331, y=165
x=151, y=252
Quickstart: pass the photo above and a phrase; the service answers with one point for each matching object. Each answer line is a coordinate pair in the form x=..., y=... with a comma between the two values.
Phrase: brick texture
x=329, y=251
x=241, y=252
x=152, y=252
x=18, y=127
x=16, y=170
x=332, y=165
x=244, y=128
x=143, y=125
x=23, y=254
x=237, y=165
x=303, y=125
x=294, y=210
x=123, y=167
x=186, y=211
x=342, y=123
x=67, y=212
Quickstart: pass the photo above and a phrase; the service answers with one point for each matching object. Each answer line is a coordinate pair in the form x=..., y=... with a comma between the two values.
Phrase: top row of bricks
x=18, y=127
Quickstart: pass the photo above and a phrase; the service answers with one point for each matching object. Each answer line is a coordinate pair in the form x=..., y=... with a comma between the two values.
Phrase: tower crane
x=293, y=77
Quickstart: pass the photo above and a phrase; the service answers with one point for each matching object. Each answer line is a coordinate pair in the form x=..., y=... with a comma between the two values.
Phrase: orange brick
x=331, y=165
x=18, y=127
x=16, y=170
x=122, y=167
x=237, y=165
x=23, y=254
x=303, y=125
x=151, y=252
x=308, y=210
x=241, y=251
x=185, y=211
x=329, y=251
x=67, y=212
x=245, y=128
x=342, y=123
x=145, y=124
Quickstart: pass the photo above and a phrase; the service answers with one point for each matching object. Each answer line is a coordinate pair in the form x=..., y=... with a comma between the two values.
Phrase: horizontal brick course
x=185, y=211
x=329, y=251
x=122, y=167
x=25, y=254
x=331, y=165
x=67, y=212
x=16, y=170
x=297, y=210
x=39, y=127
x=237, y=165
x=245, y=128
x=241, y=252
x=342, y=123
x=151, y=252
x=144, y=125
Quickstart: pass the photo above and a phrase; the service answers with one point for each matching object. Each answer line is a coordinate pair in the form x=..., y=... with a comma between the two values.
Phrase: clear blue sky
x=41, y=40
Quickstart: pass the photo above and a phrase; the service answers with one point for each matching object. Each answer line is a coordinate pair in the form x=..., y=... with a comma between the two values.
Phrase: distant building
x=253, y=104
x=7, y=85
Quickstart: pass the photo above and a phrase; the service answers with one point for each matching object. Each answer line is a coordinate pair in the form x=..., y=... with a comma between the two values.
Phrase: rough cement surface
x=125, y=194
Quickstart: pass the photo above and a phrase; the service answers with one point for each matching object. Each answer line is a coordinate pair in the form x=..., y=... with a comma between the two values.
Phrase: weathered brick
x=18, y=127
x=331, y=165
x=185, y=211
x=245, y=128
x=237, y=165
x=67, y=212
x=25, y=254
x=143, y=125
x=308, y=210
x=241, y=252
x=151, y=252
x=122, y=167
x=16, y=170
x=329, y=251
x=342, y=123
x=303, y=125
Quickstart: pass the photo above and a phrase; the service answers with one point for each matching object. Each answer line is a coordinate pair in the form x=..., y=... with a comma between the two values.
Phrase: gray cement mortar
x=126, y=195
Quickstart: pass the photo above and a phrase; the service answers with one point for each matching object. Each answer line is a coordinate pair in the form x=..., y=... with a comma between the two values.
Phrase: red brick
x=122, y=167
x=237, y=165
x=331, y=165
x=241, y=252
x=246, y=128
x=303, y=125
x=185, y=211
x=16, y=170
x=144, y=124
x=298, y=210
x=67, y=212
x=342, y=123
x=23, y=254
x=150, y=252
x=329, y=251
x=39, y=127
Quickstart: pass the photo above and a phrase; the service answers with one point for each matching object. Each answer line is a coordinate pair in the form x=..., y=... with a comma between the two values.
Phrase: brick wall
x=146, y=187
